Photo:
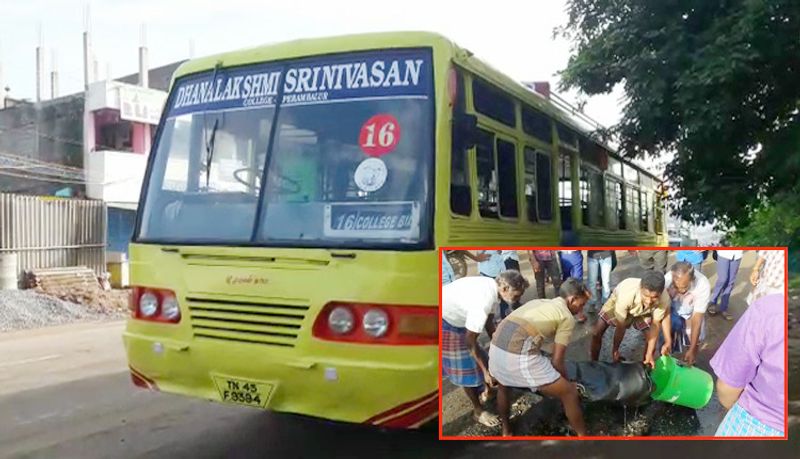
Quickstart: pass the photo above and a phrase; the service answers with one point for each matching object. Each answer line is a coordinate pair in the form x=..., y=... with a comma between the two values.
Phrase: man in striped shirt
x=515, y=359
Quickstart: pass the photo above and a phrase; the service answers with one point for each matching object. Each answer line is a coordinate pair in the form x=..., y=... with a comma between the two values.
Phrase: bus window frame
x=513, y=142
x=600, y=173
x=461, y=106
x=535, y=112
x=474, y=157
x=560, y=125
x=659, y=213
x=634, y=218
x=527, y=145
x=572, y=156
x=553, y=186
x=542, y=147
x=644, y=206
x=493, y=88
x=614, y=216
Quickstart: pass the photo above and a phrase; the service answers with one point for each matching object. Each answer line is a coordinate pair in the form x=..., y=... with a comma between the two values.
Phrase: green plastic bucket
x=681, y=385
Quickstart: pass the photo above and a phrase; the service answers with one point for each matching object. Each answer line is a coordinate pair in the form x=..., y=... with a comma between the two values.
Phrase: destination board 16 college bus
x=285, y=250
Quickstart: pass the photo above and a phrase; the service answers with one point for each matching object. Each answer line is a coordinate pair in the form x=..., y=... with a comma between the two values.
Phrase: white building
x=120, y=120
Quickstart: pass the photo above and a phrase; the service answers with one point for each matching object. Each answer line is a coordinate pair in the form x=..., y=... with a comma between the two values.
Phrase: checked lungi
x=457, y=363
x=739, y=423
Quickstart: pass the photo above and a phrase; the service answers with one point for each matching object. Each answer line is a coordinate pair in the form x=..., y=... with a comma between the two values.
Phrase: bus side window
x=537, y=124
x=493, y=102
x=586, y=196
x=612, y=221
x=659, y=213
x=597, y=204
x=507, y=171
x=545, y=195
x=632, y=208
x=643, y=214
x=566, y=136
x=460, y=193
x=592, y=201
x=530, y=183
x=615, y=204
x=621, y=204
x=565, y=191
x=487, y=175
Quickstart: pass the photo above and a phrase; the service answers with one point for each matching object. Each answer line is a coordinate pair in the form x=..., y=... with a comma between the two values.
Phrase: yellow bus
x=285, y=250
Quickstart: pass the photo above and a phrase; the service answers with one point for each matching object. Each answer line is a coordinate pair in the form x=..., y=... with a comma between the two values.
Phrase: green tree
x=774, y=222
x=714, y=82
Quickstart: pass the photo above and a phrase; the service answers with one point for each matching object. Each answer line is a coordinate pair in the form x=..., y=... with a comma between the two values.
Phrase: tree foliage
x=775, y=222
x=714, y=82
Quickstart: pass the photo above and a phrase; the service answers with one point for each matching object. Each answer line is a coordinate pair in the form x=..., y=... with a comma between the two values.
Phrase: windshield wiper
x=210, y=142
x=210, y=150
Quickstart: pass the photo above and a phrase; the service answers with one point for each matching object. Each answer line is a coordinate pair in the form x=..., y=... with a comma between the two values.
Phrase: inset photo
x=603, y=343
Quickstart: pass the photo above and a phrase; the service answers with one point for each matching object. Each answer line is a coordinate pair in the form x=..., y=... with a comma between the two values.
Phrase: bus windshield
x=325, y=152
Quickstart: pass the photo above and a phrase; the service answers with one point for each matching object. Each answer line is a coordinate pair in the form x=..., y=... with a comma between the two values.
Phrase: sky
x=515, y=37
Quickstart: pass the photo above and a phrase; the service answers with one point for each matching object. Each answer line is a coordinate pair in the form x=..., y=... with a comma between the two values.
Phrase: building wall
x=53, y=131
x=49, y=131
x=115, y=176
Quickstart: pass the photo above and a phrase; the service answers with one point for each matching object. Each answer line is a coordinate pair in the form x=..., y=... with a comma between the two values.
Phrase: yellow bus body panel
x=309, y=376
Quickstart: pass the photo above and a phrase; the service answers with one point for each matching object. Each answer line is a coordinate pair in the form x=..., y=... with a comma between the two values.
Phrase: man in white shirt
x=728, y=262
x=467, y=310
x=689, y=291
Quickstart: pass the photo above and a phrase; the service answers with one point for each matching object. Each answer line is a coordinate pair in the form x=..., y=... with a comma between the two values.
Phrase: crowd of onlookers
x=668, y=305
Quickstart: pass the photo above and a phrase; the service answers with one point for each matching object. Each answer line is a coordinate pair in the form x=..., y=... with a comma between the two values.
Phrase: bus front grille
x=255, y=322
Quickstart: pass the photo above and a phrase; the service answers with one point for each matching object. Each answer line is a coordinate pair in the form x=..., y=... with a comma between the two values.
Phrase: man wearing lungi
x=515, y=359
x=467, y=309
x=641, y=303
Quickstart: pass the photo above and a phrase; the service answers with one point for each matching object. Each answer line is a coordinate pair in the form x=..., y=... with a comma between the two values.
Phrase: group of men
x=661, y=305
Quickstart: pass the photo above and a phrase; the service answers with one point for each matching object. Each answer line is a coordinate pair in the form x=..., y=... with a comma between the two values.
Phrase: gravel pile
x=94, y=298
x=24, y=309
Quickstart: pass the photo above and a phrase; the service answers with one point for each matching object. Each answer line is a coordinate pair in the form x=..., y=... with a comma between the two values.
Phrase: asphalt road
x=65, y=393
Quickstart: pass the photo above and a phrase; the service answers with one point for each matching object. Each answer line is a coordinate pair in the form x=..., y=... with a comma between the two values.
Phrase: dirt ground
x=534, y=415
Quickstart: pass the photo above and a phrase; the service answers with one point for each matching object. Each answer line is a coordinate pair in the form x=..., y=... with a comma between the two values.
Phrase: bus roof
x=388, y=40
x=314, y=46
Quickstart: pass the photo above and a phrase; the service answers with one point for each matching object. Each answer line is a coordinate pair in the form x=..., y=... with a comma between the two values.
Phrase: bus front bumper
x=363, y=387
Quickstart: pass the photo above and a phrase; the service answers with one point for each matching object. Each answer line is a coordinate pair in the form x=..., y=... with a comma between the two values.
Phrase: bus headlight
x=148, y=304
x=376, y=323
x=341, y=320
x=170, y=309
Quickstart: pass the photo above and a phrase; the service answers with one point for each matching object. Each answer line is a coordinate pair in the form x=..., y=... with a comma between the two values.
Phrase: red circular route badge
x=379, y=135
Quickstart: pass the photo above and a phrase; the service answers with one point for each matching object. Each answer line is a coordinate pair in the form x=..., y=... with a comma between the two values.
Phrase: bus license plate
x=241, y=392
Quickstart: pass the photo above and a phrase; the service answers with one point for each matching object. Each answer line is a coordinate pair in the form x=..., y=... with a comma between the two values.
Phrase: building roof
x=159, y=77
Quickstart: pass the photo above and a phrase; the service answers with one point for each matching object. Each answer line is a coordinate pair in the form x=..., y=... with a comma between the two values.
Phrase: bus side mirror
x=465, y=134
